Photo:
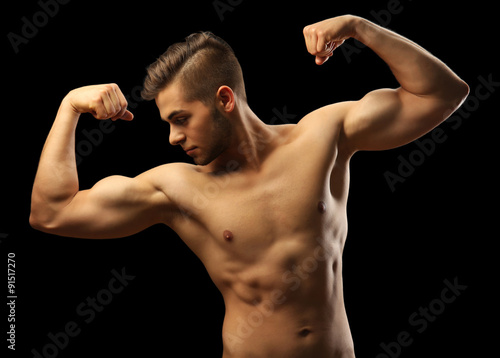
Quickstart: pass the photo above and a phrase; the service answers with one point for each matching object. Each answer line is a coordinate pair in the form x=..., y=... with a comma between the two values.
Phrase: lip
x=190, y=150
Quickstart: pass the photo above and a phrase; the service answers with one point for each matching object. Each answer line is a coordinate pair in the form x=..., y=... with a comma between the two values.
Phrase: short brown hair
x=203, y=63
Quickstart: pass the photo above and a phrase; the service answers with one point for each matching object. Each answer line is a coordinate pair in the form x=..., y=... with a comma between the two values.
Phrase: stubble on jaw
x=219, y=141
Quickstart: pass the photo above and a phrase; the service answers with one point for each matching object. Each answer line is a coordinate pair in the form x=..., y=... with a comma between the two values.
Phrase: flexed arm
x=388, y=118
x=115, y=206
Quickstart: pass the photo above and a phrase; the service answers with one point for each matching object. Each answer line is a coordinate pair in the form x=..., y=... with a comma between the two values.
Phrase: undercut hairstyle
x=202, y=63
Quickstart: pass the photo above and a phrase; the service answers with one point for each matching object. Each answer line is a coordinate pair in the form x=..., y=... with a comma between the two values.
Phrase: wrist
x=354, y=22
x=349, y=25
x=67, y=108
x=363, y=29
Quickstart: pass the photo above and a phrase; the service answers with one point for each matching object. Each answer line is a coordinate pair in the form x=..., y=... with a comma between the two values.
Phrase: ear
x=225, y=99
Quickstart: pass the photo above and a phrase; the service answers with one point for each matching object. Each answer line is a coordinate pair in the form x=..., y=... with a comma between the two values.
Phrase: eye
x=180, y=120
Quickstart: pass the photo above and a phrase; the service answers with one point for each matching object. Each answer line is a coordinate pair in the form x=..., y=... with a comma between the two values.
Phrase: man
x=265, y=206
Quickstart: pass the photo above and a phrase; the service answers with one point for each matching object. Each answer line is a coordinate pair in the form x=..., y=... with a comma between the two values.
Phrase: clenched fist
x=102, y=101
x=323, y=37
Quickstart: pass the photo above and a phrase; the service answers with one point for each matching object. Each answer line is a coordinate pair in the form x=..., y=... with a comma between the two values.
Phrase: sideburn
x=221, y=123
x=222, y=132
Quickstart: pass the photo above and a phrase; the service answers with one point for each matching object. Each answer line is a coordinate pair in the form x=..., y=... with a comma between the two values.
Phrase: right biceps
x=114, y=207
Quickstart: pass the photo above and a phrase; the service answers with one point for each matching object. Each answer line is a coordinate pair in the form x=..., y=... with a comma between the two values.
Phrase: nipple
x=228, y=235
x=321, y=206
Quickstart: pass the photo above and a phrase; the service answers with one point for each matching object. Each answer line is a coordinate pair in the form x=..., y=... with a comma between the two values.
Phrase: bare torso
x=270, y=234
x=272, y=241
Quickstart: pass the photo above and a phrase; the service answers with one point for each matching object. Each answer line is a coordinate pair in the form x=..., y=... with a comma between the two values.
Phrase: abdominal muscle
x=293, y=312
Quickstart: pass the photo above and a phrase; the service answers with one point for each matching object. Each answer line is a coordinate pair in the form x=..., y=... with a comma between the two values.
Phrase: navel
x=321, y=206
x=228, y=235
x=304, y=332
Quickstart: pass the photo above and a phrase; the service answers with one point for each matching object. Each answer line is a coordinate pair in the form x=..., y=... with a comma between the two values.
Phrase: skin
x=265, y=206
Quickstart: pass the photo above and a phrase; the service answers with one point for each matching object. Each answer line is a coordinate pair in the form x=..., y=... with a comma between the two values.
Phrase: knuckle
x=103, y=92
x=106, y=88
x=101, y=115
x=97, y=98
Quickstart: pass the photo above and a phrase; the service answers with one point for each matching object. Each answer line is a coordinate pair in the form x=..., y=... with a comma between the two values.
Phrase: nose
x=176, y=137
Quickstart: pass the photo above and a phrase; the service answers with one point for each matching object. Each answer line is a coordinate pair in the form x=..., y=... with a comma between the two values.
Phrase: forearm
x=56, y=180
x=416, y=70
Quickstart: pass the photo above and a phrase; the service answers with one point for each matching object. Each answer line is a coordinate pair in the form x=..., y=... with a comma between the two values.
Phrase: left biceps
x=389, y=118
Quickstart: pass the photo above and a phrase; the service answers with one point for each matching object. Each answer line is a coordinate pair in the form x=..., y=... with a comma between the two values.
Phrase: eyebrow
x=174, y=113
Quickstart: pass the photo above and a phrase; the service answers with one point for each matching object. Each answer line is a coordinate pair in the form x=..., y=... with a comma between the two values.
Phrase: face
x=203, y=132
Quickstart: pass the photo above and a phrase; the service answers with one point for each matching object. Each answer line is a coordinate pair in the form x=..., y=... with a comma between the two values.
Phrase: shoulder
x=168, y=175
x=175, y=182
x=331, y=116
x=172, y=180
x=325, y=123
x=169, y=169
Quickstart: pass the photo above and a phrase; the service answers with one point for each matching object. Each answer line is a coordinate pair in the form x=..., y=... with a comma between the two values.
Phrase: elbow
x=34, y=220
x=463, y=91
x=43, y=213
x=41, y=222
x=454, y=96
x=47, y=216
x=38, y=224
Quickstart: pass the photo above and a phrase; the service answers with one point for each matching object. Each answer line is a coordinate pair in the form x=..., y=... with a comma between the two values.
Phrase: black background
x=402, y=245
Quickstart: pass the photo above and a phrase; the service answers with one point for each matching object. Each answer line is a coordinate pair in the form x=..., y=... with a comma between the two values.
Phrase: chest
x=247, y=214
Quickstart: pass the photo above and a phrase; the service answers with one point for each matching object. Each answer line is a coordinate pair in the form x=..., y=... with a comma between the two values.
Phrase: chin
x=209, y=156
x=203, y=161
x=200, y=163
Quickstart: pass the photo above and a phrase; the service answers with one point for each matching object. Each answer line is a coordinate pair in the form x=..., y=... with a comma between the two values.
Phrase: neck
x=250, y=142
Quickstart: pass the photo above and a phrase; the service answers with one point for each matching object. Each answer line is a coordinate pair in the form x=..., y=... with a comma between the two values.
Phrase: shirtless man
x=265, y=206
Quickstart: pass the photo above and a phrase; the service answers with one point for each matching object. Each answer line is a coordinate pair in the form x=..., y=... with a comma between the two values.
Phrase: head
x=195, y=84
